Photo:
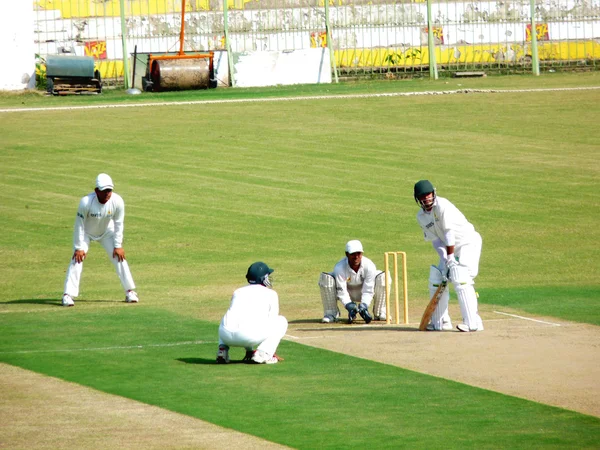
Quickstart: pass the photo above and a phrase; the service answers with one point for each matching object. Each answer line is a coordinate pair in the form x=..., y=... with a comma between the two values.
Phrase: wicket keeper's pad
x=432, y=305
x=328, y=294
x=379, y=306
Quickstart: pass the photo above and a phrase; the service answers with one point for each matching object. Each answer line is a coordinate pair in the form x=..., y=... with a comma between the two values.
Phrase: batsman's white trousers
x=75, y=269
x=264, y=335
x=468, y=255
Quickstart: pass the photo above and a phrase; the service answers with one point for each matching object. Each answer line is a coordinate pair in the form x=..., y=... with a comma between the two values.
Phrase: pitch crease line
x=528, y=318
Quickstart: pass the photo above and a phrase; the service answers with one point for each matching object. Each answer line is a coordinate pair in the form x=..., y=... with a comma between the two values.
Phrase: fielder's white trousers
x=264, y=335
x=75, y=269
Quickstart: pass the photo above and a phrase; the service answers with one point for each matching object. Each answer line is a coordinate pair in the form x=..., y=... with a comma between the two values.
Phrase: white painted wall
x=17, y=47
x=309, y=66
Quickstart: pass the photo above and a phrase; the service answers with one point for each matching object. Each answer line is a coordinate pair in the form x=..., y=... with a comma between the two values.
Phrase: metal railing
x=367, y=38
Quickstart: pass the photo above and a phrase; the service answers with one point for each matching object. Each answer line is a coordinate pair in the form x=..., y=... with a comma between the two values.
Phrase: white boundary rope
x=289, y=99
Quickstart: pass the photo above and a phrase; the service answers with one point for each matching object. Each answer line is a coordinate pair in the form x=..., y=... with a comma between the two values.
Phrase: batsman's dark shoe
x=364, y=313
x=352, y=311
x=223, y=355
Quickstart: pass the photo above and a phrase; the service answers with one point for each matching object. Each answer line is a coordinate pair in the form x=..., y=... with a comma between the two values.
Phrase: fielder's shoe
x=328, y=318
x=382, y=317
x=67, y=300
x=364, y=313
x=223, y=355
x=260, y=357
x=131, y=297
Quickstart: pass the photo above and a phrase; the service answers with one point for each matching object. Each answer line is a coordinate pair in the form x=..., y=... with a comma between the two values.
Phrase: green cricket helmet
x=258, y=273
x=422, y=189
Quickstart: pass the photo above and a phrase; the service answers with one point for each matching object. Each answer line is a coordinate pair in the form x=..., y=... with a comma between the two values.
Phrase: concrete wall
x=17, y=47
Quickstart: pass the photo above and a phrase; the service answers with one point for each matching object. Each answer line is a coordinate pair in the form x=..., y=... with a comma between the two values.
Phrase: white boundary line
x=95, y=349
x=288, y=99
x=529, y=318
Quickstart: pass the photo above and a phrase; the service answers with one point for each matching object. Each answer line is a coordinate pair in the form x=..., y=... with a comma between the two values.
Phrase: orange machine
x=180, y=71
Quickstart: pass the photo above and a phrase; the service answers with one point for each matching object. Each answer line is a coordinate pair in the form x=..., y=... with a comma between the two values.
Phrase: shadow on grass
x=207, y=361
x=360, y=327
x=305, y=321
x=34, y=301
x=53, y=301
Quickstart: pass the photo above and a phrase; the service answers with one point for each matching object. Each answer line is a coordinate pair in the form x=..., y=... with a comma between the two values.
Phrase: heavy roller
x=72, y=75
x=180, y=71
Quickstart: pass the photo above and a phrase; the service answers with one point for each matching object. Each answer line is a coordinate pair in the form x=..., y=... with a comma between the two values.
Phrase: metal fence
x=367, y=37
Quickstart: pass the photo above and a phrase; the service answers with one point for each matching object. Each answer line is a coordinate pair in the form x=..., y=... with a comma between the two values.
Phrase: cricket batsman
x=459, y=247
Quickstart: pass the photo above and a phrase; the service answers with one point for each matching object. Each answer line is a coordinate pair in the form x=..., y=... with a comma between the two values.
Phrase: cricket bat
x=432, y=305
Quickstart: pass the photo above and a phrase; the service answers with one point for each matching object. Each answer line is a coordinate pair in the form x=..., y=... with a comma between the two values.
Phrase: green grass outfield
x=211, y=188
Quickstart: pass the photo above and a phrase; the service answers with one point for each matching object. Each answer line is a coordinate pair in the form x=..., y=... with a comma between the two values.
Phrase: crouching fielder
x=356, y=283
x=253, y=319
x=459, y=247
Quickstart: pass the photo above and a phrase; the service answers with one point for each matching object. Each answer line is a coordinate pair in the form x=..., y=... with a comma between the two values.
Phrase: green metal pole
x=535, y=60
x=227, y=43
x=433, y=72
x=330, y=42
x=124, y=41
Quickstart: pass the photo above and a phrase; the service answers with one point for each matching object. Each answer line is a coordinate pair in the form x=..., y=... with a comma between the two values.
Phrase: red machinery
x=180, y=71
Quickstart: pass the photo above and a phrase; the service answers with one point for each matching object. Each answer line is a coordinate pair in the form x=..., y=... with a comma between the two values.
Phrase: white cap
x=103, y=182
x=353, y=247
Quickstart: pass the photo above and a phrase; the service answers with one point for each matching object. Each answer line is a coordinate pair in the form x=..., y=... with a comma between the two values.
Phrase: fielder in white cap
x=100, y=217
x=356, y=283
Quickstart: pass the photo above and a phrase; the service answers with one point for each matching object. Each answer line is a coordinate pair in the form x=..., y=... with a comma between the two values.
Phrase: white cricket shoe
x=131, y=297
x=67, y=300
x=328, y=318
x=382, y=317
x=446, y=326
x=465, y=329
x=261, y=357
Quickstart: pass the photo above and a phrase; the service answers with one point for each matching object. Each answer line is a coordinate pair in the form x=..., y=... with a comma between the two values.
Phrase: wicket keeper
x=356, y=283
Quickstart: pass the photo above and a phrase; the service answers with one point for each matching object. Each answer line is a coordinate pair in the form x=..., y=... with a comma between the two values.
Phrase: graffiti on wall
x=541, y=32
x=96, y=49
x=318, y=39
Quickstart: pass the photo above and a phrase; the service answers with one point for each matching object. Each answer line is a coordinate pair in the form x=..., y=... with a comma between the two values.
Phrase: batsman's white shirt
x=445, y=217
x=95, y=220
x=355, y=286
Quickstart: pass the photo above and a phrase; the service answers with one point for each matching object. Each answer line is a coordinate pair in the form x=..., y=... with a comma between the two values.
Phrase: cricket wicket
x=388, y=287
